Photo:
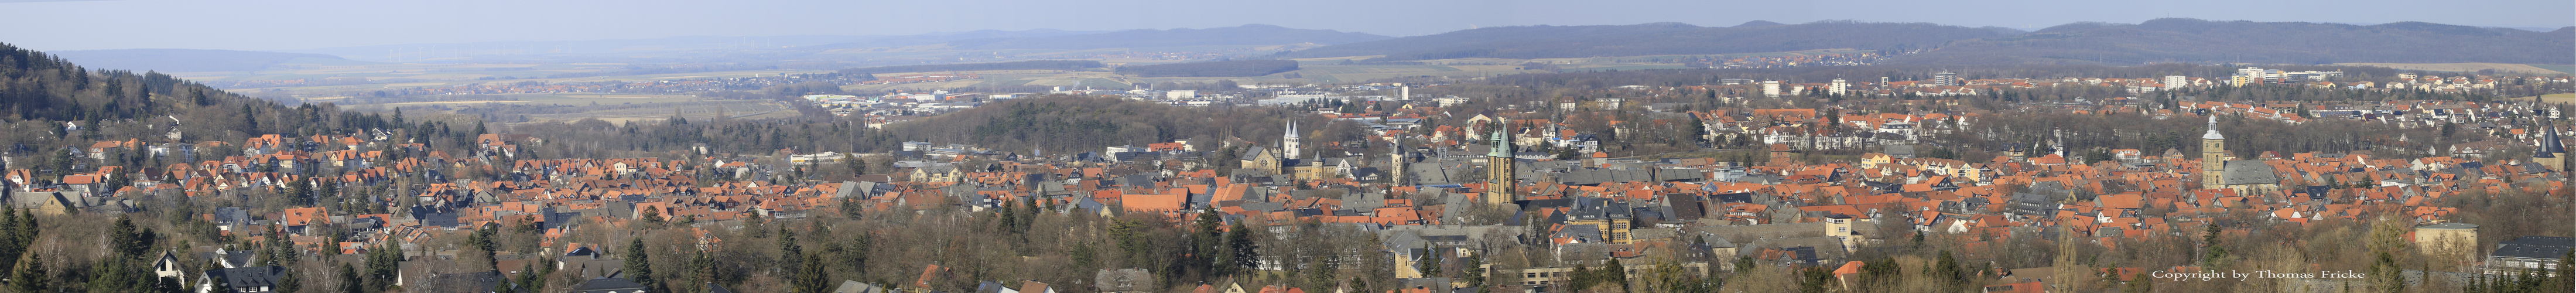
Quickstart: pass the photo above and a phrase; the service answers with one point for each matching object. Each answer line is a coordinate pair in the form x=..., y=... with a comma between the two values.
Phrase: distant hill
x=1251, y=34
x=1018, y=65
x=1528, y=42
x=35, y=86
x=926, y=39
x=185, y=60
x=2202, y=41
x=1228, y=68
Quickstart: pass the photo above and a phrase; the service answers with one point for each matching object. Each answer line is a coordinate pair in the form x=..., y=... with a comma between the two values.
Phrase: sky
x=311, y=24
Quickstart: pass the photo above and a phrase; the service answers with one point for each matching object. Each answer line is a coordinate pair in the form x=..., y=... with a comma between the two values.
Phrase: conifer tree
x=350, y=282
x=30, y=276
x=639, y=264
x=810, y=277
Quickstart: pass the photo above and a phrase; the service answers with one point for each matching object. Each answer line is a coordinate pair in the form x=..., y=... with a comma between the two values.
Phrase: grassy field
x=540, y=108
x=2564, y=98
x=2568, y=69
x=2471, y=67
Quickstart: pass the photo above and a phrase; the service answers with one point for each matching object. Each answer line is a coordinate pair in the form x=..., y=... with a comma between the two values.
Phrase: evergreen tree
x=10, y=244
x=382, y=265
x=350, y=281
x=1246, y=253
x=789, y=252
x=2140, y=283
x=168, y=285
x=639, y=264
x=126, y=242
x=810, y=277
x=701, y=268
x=2209, y=239
x=1947, y=271
x=503, y=286
x=533, y=281
x=290, y=283
x=1205, y=244
x=115, y=274
x=30, y=276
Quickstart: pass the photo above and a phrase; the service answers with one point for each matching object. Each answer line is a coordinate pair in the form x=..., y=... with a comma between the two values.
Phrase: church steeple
x=1500, y=178
x=2213, y=128
x=2549, y=143
x=1288, y=142
x=2552, y=153
x=2213, y=156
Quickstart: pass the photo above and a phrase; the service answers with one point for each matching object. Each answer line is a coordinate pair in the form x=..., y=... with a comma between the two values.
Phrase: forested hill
x=40, y=92
x=1253, y=34
x=1525, y=42
x=2202, y=41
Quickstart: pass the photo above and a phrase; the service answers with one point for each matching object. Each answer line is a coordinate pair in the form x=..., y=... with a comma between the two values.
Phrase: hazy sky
x=307, y=24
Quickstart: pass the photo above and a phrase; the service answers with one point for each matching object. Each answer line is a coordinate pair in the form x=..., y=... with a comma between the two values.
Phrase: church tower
x=2213, y=155
x=1499, y=181
x=2552, y=153
x=1288, y=143
x=1396, y=161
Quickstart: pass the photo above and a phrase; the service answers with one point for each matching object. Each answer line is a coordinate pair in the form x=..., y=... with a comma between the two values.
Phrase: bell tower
x=1288, y=142
x=2213, y=156
x=1499, y=181
x=2552, y=153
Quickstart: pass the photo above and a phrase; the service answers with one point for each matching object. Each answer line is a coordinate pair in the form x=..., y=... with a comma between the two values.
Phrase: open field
x=567, y=107
x=2551, y=98
x=2569, y=69
x=2471, y=67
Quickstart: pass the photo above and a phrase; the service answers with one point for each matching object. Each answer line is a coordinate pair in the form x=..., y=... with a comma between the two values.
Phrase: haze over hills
x=2202, y=41
x=189, y=60
x=2161, y=40
x=1528, y=42
x=687, y=45
x=1250, y=34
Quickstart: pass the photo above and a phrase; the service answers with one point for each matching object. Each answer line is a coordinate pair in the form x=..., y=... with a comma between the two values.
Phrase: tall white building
x=1771, y=88
x=2176, y=81
x=1838, y=87
x=1288, y=143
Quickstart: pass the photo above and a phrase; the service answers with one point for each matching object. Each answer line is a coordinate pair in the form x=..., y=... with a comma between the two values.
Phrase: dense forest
x=1229, y=68
x=39, y=93
x=1017, y=65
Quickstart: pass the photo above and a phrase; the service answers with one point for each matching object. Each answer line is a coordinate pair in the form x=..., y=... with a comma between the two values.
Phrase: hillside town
x=1440, y=194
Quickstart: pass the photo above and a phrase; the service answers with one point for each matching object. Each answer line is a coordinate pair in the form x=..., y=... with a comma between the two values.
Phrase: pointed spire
x=2213, y=128
x=1502, y=142
x=2549, y=144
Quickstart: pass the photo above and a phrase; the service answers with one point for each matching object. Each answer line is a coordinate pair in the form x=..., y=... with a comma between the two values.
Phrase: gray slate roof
x=2248, y=172
x=2540, y=247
